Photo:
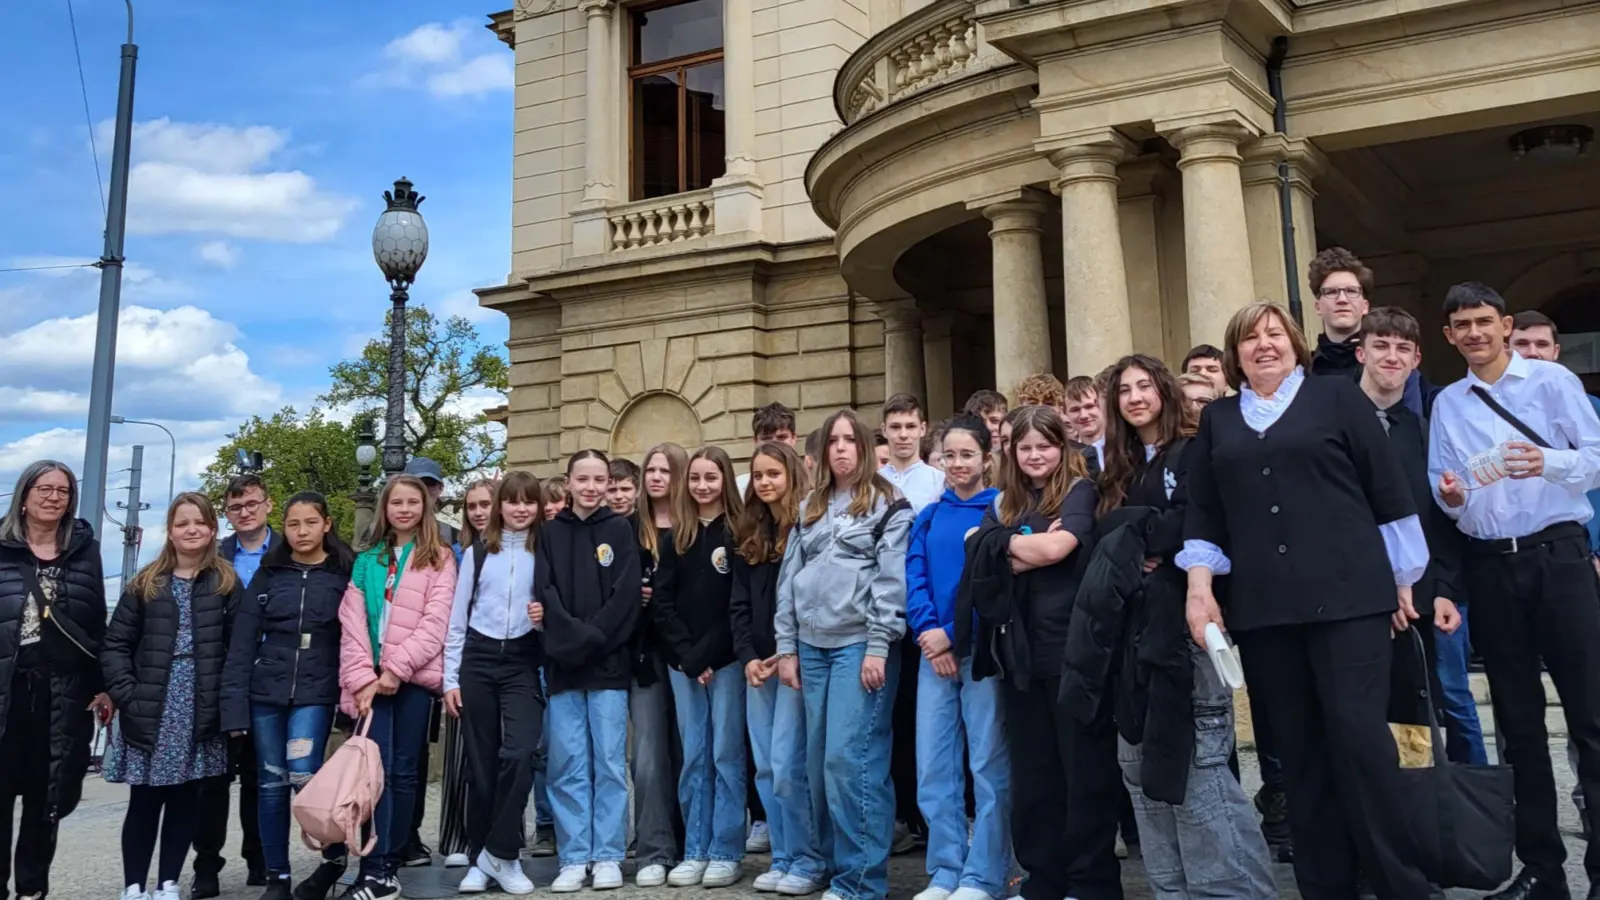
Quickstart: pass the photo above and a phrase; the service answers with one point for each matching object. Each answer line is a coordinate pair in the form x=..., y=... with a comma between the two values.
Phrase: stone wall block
x=654, y=352
x=697, y=382
x=611, y=391
x=630, y=369
x=579, y=362
x=579, y=387
x=712, y=404
x=825, y=337
x=831, y=393
x=600, y=417
x=680, y=356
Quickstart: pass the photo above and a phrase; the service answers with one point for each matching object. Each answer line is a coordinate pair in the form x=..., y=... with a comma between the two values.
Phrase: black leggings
x=144, y=821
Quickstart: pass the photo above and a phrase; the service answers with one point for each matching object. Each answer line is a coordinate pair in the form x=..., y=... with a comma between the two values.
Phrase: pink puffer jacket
x=413, y=646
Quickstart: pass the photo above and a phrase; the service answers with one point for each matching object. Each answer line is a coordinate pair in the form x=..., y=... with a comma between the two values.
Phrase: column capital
x=1214, y=139
x=938, y=326
x=899, y=314
x=1020, y=210
x=595, y=9
x=1262, y=156
x=1089, y=156
x=1139, y=176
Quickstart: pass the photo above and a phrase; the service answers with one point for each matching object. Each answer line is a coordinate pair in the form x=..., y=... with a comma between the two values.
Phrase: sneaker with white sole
x=475, y=882
x=769, y=880
x=167, y=891
x=134, y=892
x=969, y=893
x=687, y=873
x=457, y=861
x=570, y=879
x=650, y=876
x=760, y=839
x=607, y=876
x=722, y=873
x=507, y=873
x=932, y=892
x=794, y=885
x=385, y=888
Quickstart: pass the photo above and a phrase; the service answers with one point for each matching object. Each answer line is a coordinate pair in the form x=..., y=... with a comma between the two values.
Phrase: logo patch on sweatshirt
x=604, y=555
x=719, y=559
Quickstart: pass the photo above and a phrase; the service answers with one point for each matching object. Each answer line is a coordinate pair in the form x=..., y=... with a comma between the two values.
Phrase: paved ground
x=88, y=864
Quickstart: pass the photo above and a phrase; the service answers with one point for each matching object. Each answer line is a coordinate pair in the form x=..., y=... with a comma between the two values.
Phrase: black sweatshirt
x=690, y=603
x=589, y=586
x=752, y=607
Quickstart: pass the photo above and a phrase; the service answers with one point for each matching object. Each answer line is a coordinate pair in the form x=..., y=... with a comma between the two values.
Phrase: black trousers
x=903, y=752
x=25, y=775
x=1326, y=687
x=211, y=830
x=1541, y=603
x=1065, y=812
x=169, y=812
x=502, y=717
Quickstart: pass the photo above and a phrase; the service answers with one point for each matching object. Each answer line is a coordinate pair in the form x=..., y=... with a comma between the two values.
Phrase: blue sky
x=264, y=138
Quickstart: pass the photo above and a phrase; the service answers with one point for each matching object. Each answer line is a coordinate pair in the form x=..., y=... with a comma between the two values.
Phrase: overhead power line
x=83, y=87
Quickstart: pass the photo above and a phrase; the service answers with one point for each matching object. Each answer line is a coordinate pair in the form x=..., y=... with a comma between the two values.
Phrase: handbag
x=341, y=797
x=1460, y=817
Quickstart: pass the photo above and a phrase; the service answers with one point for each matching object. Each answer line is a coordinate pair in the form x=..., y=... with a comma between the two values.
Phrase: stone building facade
x=721, y=203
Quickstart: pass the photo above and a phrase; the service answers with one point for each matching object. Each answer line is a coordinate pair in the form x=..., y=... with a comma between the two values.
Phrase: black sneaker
x=277, y=888
x=320, y=882
x=1274, y=808
x=205, y=886
x=544, y=842
x=385, y=888
x=416, y=854
x=256, y=877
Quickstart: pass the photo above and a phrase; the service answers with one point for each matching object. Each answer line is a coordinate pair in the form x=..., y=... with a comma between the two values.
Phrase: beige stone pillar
x=600, y=182
x=938, y=365
x=1216, y=239
x=1264, y=216
x=903, y=370
x=1099, y=328
x=1021, y=311
x=1139, y=210
x=737, y=195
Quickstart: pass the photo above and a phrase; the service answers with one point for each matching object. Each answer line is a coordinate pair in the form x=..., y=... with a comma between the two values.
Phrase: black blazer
x=1296, y=507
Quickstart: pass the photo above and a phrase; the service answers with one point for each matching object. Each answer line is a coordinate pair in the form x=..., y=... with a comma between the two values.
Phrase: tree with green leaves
x=298, y=453
x=446, y=362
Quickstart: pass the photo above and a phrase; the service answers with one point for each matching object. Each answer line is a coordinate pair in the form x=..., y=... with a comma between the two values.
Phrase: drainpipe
x=1280, y=124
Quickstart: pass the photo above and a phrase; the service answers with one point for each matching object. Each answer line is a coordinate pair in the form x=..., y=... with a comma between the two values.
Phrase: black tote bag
x=1461, y=817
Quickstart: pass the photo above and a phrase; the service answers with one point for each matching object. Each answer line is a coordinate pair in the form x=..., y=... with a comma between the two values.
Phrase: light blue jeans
x=776, y=715
x=711, y=787
x=847, y=762
x=588, y=780
x=1211, y=846
x=958, y=718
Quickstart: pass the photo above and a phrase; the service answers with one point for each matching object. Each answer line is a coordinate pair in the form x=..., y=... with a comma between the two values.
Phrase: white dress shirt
x=504, y=591
x=921, y=484
x=1550, y=400
x=1402, y=538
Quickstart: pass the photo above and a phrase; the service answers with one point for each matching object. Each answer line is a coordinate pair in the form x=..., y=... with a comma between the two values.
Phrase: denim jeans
x=542, y=817
x=776, y=716
x=290, y=744
x=588, y=775
x=847, y=763
x=1211, y=846
x=1463, y=732
x=399, y=728
x=711, y=787
x=655, y=779
x=958, y=719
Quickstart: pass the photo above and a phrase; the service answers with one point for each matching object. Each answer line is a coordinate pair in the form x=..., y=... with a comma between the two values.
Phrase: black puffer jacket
x=80, y=613
x=285, y=644
x=137, y=658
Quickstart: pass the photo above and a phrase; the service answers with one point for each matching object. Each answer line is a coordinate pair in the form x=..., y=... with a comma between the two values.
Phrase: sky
x=264, y=138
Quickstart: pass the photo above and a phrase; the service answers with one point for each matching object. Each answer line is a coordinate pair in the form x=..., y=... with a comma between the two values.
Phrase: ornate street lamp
x=400, y=246
x=365, y=497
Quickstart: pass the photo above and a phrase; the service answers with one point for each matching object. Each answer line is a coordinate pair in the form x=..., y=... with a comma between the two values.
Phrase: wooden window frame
x=679, y=66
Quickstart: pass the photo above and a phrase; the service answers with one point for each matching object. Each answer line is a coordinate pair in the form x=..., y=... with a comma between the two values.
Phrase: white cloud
x=218, y=253
x=465, y=304
x=191, y=177
x=440, y=59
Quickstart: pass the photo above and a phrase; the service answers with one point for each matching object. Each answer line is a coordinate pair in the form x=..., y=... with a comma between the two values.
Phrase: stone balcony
x=938, y=43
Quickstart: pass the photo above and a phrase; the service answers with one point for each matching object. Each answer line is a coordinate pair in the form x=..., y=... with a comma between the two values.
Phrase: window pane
x=704, y=118
x=674, y=31
x=655, y=135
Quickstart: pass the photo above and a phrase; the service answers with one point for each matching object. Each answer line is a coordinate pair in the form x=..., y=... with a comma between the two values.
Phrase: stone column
x=938, y=367
x=737, y=195
x=1139, y=208
x=1021, y=311
x=903, y=370
x=600, y=183
x=1216, y=239
x=1263, y=215
x=1099, y=328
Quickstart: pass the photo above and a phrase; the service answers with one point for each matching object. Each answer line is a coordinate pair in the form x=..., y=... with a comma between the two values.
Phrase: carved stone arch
x=651, y=418
x=1543, y=285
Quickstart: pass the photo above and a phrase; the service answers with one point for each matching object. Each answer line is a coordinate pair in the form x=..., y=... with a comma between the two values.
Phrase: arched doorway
x=650, y=419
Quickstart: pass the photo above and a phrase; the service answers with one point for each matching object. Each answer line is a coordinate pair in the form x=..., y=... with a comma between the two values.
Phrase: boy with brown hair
x=991, y=407
x=1041, y=389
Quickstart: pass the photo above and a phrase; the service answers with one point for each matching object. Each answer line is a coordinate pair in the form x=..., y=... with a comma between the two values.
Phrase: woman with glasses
x=52, y=621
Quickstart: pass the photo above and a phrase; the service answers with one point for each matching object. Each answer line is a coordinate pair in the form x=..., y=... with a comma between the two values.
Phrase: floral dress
x=177, y=758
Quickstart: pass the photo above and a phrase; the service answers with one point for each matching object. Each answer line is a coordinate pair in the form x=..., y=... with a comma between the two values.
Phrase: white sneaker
x=505, y=872
x=794, y=885
x=769, y=880
x=607, y=876
x=167, y=891
x=650, y=876
x=931, y=892
x=135, y=892
x=969, y=893
x=476, y=882
x=570, y=879
x=760, y=839
x=720, y=874
x=457, y=861
x=687, y=873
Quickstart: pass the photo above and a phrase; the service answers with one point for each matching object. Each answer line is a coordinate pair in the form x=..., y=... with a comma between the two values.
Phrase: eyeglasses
x=50, y=490
x=249, y=506
x=1334, y=293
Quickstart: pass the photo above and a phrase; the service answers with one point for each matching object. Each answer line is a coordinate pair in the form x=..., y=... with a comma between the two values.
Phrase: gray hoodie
x=835, y=588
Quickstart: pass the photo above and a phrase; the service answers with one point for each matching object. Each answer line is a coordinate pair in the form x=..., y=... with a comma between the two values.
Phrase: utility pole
x=131, y=532
x=98, y=437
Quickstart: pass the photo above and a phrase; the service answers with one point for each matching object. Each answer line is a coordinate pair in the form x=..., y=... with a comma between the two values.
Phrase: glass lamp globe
x=366, y=454
x=400, y=239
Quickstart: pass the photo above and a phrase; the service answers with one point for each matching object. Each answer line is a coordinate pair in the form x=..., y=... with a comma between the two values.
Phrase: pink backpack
x=340, y=798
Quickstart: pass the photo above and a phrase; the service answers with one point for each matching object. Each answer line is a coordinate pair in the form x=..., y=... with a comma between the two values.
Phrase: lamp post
x=365, y=497
x=400, y=246
x=172, y=462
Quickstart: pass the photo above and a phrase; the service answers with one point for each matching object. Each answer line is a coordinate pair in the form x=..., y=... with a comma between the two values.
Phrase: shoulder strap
x=479, y=555
x=1506, y=414
x=30, y=583
x=882, y=524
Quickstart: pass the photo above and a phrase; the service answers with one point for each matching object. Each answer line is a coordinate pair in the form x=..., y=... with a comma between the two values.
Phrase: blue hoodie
x=937, y=555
